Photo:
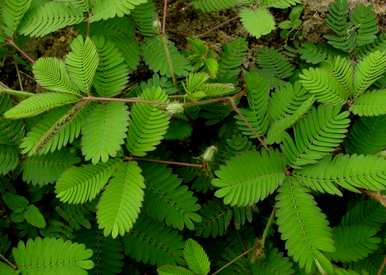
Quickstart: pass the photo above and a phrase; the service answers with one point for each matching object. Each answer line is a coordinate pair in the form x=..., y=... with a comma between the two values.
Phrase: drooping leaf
x=120, y=203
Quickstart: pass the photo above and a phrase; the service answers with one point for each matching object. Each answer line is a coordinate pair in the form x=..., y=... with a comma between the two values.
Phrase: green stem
x=267, y=228
x=15, y=93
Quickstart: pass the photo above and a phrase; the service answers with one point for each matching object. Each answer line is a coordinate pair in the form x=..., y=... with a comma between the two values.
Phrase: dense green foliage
x=135, y=155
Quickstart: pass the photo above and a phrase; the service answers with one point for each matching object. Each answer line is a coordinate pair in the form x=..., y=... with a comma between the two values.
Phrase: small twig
x=375, y=196
x=382, y=267
x=170, y=162
x=218, y=26
x=232, y=261
x=8, y=262
x=18, y=76
x=25, y=55
x=164, y=16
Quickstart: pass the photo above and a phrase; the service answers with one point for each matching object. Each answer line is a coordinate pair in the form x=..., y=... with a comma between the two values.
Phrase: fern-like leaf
x=367, y=136
x=54, y=130
x=107, y=252
x=82, y=62
x=216, y=5
x=167, y=200
x=50, y=17
x=370, y=69
x=350, y=172
x=365, y=19
x=42, y=170
x=144, y=17
x=279, y=4
x=51, y=73
x=249, y=177
x=314, y=53
x=120, y=32
x=111, y=75
x=216, y=218
x=257, y=22
x=153, y=243
x=104, y=131
x=257, y=115
x=232, y=57
x=316, y=135
x=324, y=85
x=273, y=263
x=82, y=184
x=338, y=21
x=303, y=227
x=196, y=258
x=11, y=131
x=52, y=256
x=274, y=62
x=12, y=13
x=106, y=9
x=40, y=103
x=288, y=104
x=120, y=204
x=366, y=213
x=353, y=243
x=161, y=55
x=372, y=103
x=9, y=158
x=148, y=123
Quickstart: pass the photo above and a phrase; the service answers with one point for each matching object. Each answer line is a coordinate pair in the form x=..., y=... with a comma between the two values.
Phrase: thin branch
x=246, y=121
x=8, y=262
x=232, y=261
x=375, y=196
x=382, y=267
x=164, y=16
x=218, y=26
x=125, y=100
x=170, y=162
x=225, y=100
x=25, y=55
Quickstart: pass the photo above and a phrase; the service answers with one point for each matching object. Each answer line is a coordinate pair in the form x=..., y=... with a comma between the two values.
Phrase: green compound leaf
x=82, y=184
x=148, y=123
x=104, y=131
x=120, y=203
x=250, y=177
x=40, y=103
x=196, y=257
x=50, y=256
x=51, y=73
x=82, y=62
x=303, y=227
